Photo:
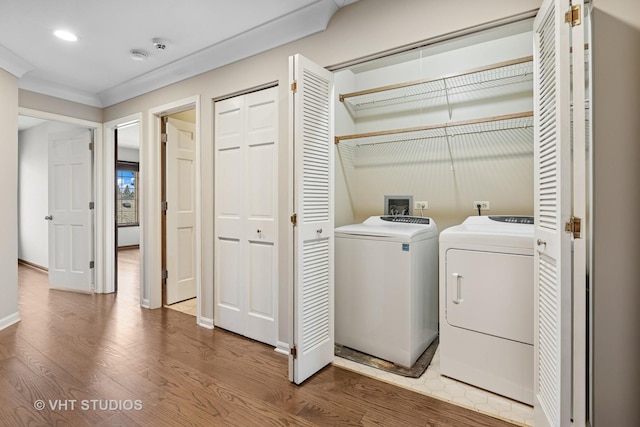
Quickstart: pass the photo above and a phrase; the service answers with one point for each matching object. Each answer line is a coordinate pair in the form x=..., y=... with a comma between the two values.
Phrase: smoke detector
x=138, y=54
x=159, y=44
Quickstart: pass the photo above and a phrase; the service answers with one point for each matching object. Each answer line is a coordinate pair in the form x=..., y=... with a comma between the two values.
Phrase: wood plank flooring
x=158, y=368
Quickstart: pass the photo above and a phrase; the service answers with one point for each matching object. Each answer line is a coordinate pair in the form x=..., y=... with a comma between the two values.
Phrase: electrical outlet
x=484, y=205
x=420, y=205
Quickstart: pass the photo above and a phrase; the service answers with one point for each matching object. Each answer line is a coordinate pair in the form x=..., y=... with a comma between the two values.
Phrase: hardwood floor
x=114, y=364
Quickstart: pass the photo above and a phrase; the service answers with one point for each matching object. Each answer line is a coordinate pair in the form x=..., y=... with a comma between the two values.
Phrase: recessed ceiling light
x=66, y=35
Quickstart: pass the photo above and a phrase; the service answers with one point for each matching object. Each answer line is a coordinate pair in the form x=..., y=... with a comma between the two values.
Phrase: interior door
x=311, y=121
x=553, y=182
x=246, y=287
x=181, y=211
x=70, y=222
x=229, y=211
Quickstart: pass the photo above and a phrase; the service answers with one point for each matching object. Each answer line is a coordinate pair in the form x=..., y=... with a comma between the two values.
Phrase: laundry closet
x=450, y=127
x=449, y=124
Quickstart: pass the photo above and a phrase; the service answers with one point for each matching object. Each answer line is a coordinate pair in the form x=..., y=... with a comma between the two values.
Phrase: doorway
x=56, y=189
x=153, y=178
x=127, y=216
x=179, y=211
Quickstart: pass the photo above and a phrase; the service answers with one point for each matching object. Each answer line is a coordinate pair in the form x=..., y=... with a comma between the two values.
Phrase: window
x=127, y=193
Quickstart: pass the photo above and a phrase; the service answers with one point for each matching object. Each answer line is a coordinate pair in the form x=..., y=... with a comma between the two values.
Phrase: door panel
x=227, y=289
x=311, y=109
x=181, y=211
x=260, y=290
x=70, y=237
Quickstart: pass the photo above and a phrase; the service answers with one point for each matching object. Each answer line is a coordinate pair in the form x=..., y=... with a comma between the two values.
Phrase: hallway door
x=180, y=211
x=70, y=221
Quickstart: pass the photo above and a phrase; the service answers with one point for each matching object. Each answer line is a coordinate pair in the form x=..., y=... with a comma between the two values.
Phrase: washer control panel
x=406, y=219
x=513, y=219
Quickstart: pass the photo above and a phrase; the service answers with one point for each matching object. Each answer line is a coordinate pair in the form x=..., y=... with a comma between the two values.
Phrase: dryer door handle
x=458, y=278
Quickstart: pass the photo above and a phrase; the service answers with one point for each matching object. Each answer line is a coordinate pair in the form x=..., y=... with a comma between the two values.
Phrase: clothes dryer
x=386, y=287
x=486, y=304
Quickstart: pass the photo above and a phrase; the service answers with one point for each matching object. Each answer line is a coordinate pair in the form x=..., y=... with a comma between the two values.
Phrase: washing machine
x=386, y=287
x=486, y=304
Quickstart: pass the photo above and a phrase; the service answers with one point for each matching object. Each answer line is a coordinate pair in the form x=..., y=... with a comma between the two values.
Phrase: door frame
x=97, y=188
x=109, y=175
x=151, y=179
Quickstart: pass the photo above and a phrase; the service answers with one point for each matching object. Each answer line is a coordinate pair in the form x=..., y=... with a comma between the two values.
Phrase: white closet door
x=69, y=215
x=312, y=131
x=181, y=211
x=552, y=180
x=246, y=289
x=229, y=211
x=260, y=219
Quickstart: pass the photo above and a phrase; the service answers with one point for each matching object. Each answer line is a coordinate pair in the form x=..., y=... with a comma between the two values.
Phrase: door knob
x=48, y=217
x=541, y=242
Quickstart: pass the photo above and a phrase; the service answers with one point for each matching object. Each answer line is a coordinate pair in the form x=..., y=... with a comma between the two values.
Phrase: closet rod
x=337, y=139
x=450, y=76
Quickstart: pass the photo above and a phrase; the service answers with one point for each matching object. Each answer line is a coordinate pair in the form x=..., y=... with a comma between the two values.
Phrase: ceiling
x=98, y=70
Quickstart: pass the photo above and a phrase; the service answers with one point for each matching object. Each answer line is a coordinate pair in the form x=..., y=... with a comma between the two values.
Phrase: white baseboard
x=206, y=322
x=145, y=303
x=9, y=320
x=282, y=348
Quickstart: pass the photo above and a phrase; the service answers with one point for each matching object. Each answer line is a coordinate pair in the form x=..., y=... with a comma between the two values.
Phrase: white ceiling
x=97, y=69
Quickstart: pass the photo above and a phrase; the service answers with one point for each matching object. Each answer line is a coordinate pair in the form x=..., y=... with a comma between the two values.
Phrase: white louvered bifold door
x=552, y=181
x=312, y=132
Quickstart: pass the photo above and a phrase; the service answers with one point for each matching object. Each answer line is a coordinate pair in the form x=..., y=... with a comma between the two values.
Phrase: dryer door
x=490, y=293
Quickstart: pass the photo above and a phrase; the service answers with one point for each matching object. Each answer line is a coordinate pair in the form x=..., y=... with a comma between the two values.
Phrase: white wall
x=9, y=214
x=33, y=190
x=129, y=236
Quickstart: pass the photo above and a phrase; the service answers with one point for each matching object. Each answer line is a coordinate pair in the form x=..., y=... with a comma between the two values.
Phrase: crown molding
x=301, y=23
x=13, y=64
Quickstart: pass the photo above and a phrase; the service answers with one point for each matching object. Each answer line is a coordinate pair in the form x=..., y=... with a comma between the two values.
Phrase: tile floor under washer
x=433, y=384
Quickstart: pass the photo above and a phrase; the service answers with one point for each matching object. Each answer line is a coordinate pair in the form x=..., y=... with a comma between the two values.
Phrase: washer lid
x=376, y=226
x=483, y=230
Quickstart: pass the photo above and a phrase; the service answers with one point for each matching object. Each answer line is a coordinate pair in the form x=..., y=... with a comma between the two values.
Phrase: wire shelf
x=444, y=130
x=485, y=78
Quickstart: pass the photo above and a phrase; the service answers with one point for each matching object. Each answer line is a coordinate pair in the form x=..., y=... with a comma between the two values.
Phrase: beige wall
x=616, y=198
x=9, y=215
